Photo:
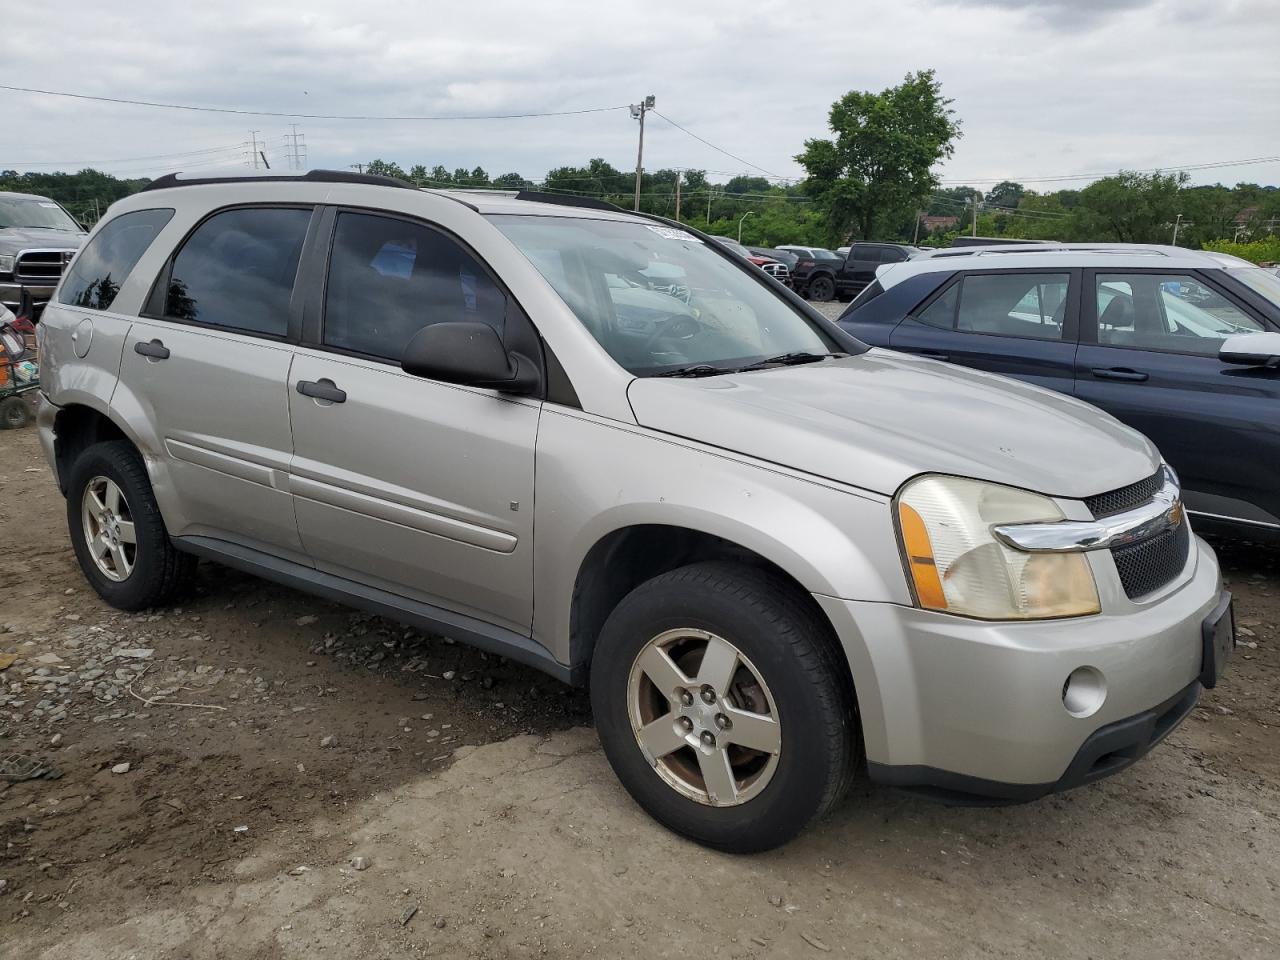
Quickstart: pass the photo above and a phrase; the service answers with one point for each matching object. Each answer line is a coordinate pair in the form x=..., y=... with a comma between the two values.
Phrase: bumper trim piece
x=1106, y=751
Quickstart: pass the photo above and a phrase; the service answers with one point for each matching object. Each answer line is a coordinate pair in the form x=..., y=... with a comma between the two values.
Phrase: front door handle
x=322, y=390
x=152, y=348
x=1119, y=373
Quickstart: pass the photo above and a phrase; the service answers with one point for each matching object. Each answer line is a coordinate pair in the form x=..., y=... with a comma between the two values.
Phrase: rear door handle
x=322, y=390
x=1119, y=373
x=153, y=349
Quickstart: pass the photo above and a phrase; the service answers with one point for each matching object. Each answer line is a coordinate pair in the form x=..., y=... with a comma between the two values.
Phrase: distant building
x=933, y=224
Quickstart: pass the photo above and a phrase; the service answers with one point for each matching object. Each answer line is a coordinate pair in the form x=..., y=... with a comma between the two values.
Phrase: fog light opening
x=1084, y=692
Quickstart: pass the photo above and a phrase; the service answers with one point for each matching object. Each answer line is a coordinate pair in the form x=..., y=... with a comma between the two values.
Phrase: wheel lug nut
x=708, y=738
x=686, y=697
x=686, y=724
x=708, y=695
x=723, y=722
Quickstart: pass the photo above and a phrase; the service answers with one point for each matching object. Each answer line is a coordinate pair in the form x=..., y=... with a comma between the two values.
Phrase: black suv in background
x=822, y=275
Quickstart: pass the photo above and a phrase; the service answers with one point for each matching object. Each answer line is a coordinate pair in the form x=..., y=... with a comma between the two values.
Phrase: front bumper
x=11, y=294
x=963, y=707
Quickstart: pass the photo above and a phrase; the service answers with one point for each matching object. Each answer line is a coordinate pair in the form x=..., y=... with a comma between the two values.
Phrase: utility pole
x=358, y=167
x=975, y=214
x=254, y=150
x=1176, y=224
x=915, y=237
x=295, y=158
x=637, y=113
x=708, y=206
x=677, y=196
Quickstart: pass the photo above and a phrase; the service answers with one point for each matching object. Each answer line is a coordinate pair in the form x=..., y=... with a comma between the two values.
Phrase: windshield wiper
x=789, y=360
x=694, y=370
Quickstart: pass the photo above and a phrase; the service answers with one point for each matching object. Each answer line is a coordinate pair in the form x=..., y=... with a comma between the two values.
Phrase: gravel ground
x=261, y=774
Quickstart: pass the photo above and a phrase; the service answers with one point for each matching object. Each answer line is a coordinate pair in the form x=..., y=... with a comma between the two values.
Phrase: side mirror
x=1251, y=349
x=469, y=353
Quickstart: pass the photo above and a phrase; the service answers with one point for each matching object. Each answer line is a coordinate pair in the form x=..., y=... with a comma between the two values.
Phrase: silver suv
x=601, y=445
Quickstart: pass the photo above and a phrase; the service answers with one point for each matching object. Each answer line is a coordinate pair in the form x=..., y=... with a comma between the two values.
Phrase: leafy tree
x=381, y=168
x=747, y=185
x=880, y=162
x=510, y=181
x=418, y=173
x=1132, y=207
x=1005, y=194
x=440, y=176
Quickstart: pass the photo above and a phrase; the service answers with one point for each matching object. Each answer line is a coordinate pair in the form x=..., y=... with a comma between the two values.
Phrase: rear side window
x=863, y=251
x=109, y=257
x=389, y=278
x=942, y=312
x=1029, y=305
x=237, y=270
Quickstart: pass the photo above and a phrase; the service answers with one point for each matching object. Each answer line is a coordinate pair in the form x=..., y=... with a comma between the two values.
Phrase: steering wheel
x=672, y=326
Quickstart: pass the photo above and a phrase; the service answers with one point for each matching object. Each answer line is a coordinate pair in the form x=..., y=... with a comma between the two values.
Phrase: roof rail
x=565, y=200
x=311, y=176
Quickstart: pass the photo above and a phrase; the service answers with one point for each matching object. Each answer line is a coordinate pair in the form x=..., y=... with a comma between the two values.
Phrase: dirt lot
x=490, y=826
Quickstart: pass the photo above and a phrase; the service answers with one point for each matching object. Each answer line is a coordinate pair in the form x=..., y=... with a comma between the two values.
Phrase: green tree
x=510, y=181
x=382, y=168
x=440, y=176
x=1005, y=194
x=879, y=163
x=1131, y=207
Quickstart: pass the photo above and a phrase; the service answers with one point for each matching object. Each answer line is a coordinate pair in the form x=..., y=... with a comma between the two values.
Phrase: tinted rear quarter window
x=237, y=270
x=109, y=257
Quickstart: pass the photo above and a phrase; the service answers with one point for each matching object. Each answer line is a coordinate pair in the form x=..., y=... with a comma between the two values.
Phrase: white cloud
x=1044, y=87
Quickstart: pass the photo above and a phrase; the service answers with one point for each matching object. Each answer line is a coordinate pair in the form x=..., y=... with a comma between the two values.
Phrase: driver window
x=389, y=278
x=1174, y=313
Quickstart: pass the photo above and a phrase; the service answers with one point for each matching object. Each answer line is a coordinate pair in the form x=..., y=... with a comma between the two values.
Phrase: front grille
x=1126, y=498
x=1147, y=566
x=777, y=270
x=42, y=267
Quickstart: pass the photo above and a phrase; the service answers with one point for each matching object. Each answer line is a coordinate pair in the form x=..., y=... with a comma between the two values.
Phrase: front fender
x=595, y=477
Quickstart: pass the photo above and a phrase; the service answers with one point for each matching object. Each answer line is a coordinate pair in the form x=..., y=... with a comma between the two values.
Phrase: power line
x=303, y=116
x=733, y=156
x=160, y=156
x=1219, y=164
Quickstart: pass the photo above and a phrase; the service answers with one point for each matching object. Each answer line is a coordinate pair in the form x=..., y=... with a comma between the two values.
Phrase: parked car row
x=605, y=446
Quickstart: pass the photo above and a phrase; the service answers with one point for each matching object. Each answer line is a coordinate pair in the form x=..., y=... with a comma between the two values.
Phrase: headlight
x=6, y=264
x=957, y=565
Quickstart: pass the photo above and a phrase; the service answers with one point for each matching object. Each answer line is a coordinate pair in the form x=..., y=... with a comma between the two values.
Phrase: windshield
x=35, y=213
x=657, y=299
x=1260, y=281
x=821, y=254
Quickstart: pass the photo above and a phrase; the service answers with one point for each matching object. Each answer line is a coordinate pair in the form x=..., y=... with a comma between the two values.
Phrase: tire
x=151, y=573
x=805, y=690
x=822, y=289
x=14, y=413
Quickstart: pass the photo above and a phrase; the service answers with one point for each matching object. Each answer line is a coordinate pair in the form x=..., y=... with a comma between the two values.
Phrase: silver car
x=596, y=443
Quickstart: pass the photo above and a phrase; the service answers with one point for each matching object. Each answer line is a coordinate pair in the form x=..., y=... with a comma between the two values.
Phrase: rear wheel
x=117, y=532
x=723, y=706
x=822, y=289
x=14, y=413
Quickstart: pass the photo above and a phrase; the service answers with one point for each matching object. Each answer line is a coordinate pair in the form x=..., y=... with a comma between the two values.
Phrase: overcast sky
x=1044, y=88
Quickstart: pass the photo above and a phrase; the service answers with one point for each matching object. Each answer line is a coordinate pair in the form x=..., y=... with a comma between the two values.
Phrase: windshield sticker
x=671, y=233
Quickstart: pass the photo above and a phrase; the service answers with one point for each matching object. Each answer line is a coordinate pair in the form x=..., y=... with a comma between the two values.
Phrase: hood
x=878, y=419
x=13, y=239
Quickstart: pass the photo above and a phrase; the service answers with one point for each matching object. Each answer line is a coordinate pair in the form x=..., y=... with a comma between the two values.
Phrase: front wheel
x=723, y=706
x=822, y=289
x=117, y=532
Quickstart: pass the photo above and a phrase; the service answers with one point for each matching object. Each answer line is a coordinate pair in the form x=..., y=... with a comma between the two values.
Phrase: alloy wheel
x=704, y=717
x=108, y=528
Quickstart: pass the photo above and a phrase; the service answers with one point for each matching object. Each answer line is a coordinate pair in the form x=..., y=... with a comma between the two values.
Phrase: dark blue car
x=1183, y=345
